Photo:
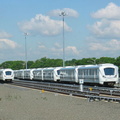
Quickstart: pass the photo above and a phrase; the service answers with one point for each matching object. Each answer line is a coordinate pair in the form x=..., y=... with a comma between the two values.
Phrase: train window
x=95, y=72
x=8, y=72
x=58, y=72
x=80, y=72
x=89, y=71
x=86, y=72
x=109, y=71
x=92, y=72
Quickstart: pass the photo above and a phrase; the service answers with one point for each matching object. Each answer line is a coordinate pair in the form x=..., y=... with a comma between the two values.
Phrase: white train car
x=69, y=74
x=20, y=74
x=28, y=74
x=103, y=74
x=38, y=74
x=51, y=74
x=15, y=74
x=6, y=75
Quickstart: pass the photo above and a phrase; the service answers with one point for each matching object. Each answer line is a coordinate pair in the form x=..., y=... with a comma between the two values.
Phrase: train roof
x=6, y=69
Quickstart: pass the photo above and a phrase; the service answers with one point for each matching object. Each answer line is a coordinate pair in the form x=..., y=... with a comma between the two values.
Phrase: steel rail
x=57, y=89
x=104, y=91
x=106, y=98
x=65, y=89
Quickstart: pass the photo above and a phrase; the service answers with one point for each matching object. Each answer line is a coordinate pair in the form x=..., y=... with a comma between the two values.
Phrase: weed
x=17, y=97
x=9, y=97
x=44, y=98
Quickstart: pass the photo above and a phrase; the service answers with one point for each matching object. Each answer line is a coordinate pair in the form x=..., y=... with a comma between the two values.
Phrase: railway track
x=53, y=88
x=74, y=90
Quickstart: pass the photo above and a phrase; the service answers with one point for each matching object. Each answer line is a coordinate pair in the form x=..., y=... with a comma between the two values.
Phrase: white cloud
x=4, y=34
x=105, y=37
x=106, y=28
x=72, y=49
x=104, y=40
x=69, y=12
x=98, y=46
x=57, y=51
x=112, y=11
x=41, y=46
x=68, y=50
x=112, y=45
x=43, y=25
x=57, y=45
x=7, y=44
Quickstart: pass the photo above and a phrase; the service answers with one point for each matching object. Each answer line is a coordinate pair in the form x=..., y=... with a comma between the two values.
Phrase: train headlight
x=103, y=76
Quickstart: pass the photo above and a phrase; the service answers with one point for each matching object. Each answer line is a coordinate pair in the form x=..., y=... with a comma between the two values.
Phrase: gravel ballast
x=17, y=103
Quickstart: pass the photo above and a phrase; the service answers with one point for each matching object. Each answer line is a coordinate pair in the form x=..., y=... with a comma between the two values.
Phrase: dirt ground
x=18, y=103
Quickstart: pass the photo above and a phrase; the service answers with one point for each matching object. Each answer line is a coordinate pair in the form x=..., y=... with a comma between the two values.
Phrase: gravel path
x=18, y=103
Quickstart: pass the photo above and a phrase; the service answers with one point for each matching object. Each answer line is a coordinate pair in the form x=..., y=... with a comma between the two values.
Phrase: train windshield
x=58, y=72
x=109, y=71
x=8, y=72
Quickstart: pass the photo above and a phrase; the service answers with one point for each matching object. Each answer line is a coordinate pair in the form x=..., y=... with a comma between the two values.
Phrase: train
x=6, y=75
x=102, y=74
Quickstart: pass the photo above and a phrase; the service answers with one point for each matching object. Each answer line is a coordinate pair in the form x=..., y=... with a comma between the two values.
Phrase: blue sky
x=91, y=29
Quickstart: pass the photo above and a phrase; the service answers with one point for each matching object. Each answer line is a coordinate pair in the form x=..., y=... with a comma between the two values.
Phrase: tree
x=47, y=62
x=103, y=60
x=71, y=62
x=86, y=61
x=15, y=65
x=117, y=62
x=30, y=63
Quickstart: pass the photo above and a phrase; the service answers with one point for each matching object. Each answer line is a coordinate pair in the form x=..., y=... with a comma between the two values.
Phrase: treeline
x=47, y=62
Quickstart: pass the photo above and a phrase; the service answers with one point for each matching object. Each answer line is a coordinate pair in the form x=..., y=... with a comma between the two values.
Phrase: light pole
x=26, y=49
x=63, y=14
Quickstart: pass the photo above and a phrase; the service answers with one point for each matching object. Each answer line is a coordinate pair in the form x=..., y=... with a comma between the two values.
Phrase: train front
x=109, y=74
x=8, y=75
